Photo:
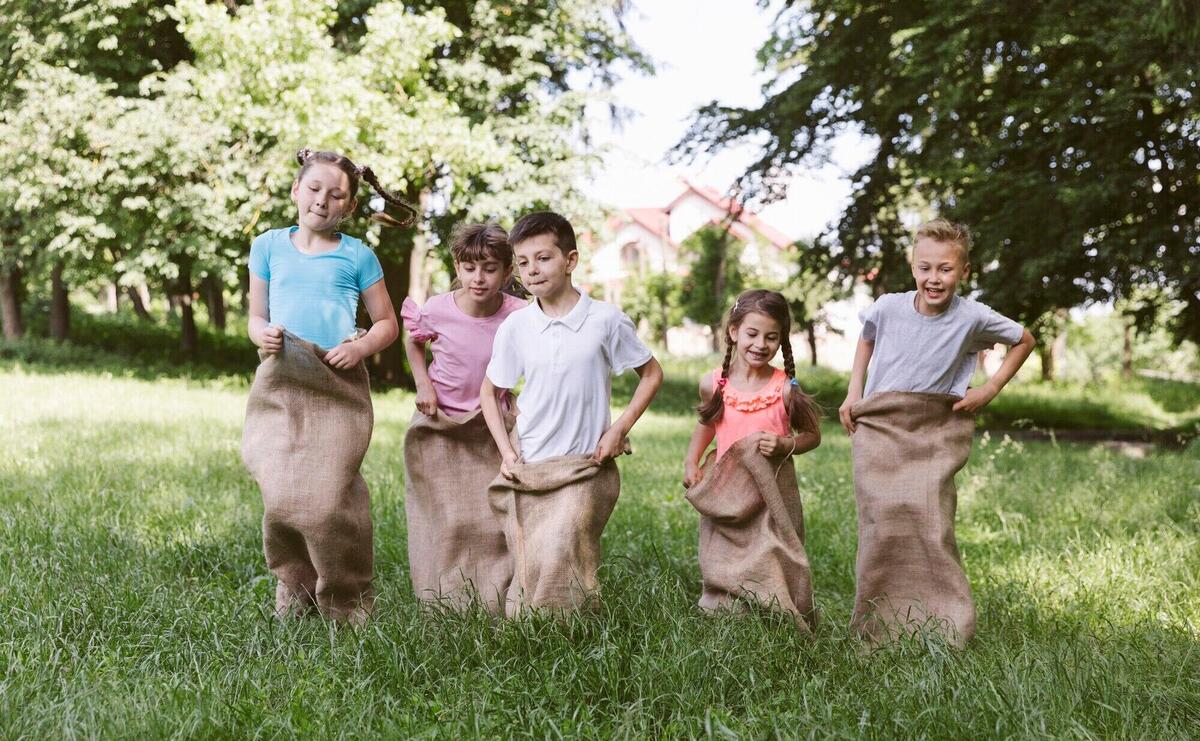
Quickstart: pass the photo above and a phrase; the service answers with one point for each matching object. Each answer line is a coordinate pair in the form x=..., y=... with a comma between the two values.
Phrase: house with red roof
x=641, y=241
x=649, y=239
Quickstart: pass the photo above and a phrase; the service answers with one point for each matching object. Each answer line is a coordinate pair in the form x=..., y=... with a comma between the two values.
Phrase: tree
x=715, y=279
x=1065, y=134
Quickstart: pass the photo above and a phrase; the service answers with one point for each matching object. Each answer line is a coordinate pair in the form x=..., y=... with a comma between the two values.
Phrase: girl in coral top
x=747, y=396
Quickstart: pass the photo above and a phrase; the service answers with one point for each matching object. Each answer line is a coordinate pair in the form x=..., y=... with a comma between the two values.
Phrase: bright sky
x=704, y=50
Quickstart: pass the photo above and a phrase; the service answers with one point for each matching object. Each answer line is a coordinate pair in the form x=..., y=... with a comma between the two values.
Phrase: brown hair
x=478, y=242
x=544, y=222
x=803, y=413
x=307, y=158
x=951, y=232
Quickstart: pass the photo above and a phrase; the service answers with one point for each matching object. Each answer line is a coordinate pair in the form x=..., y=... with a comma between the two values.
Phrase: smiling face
x=545, y=270
x=322, y=197
x=756, y=339
x=937, y=268
x=482, y=279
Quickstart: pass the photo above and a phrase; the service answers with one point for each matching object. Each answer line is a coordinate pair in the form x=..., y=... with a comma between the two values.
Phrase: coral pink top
x=462, y=346
x=747, y=412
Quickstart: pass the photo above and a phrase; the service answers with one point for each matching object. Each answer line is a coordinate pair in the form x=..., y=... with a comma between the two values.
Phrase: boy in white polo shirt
x=555, y=494
x=567, y=347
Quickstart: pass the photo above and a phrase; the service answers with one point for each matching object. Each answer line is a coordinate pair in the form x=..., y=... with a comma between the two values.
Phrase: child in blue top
x=309, y=415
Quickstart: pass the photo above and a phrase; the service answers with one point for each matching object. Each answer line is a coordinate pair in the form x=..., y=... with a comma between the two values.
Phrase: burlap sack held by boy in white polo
x=558, y=485
x=911, y=432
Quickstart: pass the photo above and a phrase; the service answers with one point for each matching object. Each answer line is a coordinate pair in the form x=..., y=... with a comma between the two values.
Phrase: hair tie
x=721, y=382
x=793, y=382
x=359, y=170
x=303, y=155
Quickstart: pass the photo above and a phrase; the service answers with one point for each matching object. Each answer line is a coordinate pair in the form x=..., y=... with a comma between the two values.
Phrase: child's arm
x=978, y=398
x=426, y=395
x=495, y=423
x=384, y=330
x=701, y=437
x=858, y=376
x=269, y=338
x=612, y=441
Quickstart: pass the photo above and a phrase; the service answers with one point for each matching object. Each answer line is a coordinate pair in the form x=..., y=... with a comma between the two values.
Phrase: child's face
x=482, y=280
x=756, y=339
x=322, y=197
x=937, y=267
x=545, y=270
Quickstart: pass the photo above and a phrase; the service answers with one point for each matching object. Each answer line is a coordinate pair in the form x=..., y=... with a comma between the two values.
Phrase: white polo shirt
x=567, y=364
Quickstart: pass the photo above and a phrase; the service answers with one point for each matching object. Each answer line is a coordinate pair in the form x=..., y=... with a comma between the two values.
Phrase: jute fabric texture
x=907, y=449
x=307, y=429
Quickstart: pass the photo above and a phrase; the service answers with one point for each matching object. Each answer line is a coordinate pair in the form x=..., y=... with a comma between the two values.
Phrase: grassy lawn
x=135, y=597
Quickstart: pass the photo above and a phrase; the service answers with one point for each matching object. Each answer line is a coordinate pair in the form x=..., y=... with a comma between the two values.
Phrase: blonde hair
x=952, y=232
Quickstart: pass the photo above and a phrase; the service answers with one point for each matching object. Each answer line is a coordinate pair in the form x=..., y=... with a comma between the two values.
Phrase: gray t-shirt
x=914, y=352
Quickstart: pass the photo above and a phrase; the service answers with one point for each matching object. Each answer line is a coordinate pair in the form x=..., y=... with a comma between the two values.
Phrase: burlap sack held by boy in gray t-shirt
x=912, y=433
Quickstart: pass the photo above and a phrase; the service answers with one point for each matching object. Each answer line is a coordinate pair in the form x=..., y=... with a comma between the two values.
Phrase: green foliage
x=657, y=299
x=137, y=601
x=716, y=276
x=1066, y=134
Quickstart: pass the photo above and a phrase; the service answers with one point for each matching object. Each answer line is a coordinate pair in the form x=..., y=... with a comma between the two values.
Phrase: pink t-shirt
x=462, y=346
x=747, y=412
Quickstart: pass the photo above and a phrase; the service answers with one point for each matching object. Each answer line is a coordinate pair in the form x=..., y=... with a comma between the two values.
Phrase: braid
x=803, y=413
x=711, y=411
x=411, y=216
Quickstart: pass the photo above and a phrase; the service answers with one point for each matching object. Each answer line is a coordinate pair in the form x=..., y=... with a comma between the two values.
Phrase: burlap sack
x=307, y=429
x=752, y=534
x=456, y=548
x=553, y=513
x=907, y=449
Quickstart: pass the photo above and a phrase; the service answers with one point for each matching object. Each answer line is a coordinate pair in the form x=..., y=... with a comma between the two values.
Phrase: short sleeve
x=418, y=324
x=992, y=327
x=370, y=271
x=625, y=349
x=260, y=257
x=870, y=319
x=505, y=368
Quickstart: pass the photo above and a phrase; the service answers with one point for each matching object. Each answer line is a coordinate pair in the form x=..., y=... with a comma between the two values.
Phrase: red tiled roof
x=768, y=232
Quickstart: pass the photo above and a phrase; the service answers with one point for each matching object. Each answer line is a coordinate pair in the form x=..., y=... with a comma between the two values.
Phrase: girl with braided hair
x=751, y=515
x=309, y=417
x=747, y=396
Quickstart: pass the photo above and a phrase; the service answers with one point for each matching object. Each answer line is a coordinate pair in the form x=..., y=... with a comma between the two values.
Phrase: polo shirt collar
x=574, y=318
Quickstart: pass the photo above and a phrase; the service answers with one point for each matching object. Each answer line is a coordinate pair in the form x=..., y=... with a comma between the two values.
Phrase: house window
x=631, y=256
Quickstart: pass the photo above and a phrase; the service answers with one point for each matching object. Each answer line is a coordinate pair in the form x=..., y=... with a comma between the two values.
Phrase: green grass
x=134, y=600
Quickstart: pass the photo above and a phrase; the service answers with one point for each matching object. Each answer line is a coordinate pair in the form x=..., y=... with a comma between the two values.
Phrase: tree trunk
x=214, y=300
x=112, y=297
x=1127, y=352
x=139, y=305
x=60, y=307
x=1051, y=353
x=810, y=334
x=188, y=338
x=395, y=255
x=10, y=303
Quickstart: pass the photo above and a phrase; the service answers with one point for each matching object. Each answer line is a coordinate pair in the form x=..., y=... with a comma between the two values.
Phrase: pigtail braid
x=803, y=413
x=711, y=411
x=410, y=210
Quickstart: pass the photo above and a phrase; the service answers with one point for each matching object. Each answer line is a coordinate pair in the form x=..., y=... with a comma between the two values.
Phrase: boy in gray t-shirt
x=927, y=340
x=911, y=435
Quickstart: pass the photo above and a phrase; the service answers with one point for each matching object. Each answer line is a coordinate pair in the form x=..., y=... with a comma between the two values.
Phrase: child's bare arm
x=978, y=398
x=426, y=395
x=612, y=441
x=269, y=338
x=701, y=437
x=495, y=423
x=858, y=376
x=384, y=330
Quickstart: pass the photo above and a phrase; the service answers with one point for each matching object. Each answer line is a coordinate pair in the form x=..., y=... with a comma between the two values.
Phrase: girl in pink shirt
x=456, y=549
x=460, y=325
x=747, y=396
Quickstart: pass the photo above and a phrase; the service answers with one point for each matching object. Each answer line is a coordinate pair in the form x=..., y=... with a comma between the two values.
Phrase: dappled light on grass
x=136, y=600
